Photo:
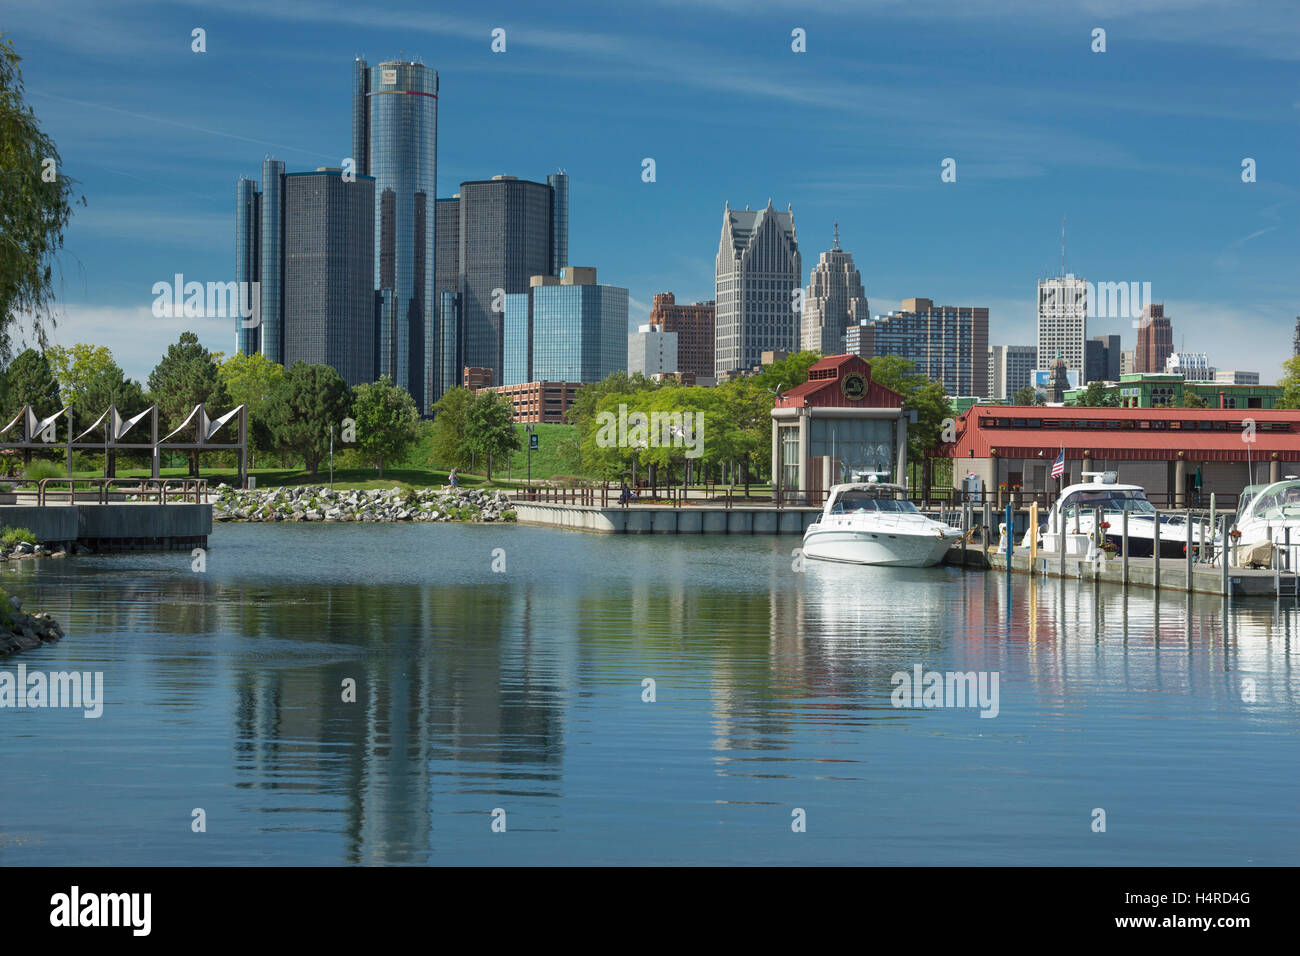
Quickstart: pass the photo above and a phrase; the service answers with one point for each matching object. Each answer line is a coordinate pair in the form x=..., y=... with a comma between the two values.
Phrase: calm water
x=522, y=691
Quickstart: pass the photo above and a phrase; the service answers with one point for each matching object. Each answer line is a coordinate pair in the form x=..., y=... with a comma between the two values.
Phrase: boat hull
x=879, y=548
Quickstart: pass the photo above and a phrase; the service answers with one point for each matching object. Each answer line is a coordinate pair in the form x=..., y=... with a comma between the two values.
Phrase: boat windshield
x=854, y=502
x=1277, y=503
x=1131, y=501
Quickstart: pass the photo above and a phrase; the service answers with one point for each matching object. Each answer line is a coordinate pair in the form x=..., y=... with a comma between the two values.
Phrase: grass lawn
x=344, y=478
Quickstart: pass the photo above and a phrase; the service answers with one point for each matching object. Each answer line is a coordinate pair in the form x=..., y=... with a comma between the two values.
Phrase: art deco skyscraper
x=395, y=140
x=1155, y=340
x=757, y=271
x=834, y=300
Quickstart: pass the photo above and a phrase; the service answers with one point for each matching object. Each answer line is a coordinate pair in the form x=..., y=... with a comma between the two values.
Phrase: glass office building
x=559, y=183
x=395, y=140
x=248, y=265
x=579, y=332
x=446, y=280
x=271, y=253
x=518, y=340
x=329, y=314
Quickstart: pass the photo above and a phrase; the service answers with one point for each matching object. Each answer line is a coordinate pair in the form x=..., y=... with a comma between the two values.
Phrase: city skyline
x=157, y=173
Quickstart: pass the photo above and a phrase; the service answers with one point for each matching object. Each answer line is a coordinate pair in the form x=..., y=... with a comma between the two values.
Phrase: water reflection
x=523, y=690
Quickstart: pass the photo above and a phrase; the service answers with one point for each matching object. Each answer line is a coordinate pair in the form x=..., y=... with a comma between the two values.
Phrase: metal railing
x=162, y=490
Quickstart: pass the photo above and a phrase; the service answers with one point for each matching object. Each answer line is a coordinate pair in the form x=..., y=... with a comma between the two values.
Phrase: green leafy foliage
x=489, y=428
x=386, y=419
x=307, y=401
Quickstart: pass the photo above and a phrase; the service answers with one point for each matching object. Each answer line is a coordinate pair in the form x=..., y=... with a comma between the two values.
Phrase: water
x=522, y=691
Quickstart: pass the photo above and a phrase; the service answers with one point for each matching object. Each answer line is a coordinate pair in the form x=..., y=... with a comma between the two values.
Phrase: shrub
x=10, y=537
x=43, y=469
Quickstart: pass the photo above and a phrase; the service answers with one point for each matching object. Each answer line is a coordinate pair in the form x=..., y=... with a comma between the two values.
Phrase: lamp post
x=331, y=456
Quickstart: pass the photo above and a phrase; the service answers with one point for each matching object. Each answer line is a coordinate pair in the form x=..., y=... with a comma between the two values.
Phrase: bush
x=10, y=537
x=44, y=469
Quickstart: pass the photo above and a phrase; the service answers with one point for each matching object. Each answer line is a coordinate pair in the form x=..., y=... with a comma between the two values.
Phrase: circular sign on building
x=854, y=386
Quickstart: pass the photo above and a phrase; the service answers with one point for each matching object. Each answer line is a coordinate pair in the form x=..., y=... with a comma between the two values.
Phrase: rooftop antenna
x=836, y=243
x=1062, y=245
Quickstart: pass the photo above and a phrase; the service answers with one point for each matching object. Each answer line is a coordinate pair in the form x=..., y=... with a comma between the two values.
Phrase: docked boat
x=1266, y=515
x=1079, y=506
x=867, y=523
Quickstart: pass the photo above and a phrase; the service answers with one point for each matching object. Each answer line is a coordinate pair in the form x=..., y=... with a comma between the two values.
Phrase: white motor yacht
x=1265, y=514
x=866, y=523
x=1078, y=504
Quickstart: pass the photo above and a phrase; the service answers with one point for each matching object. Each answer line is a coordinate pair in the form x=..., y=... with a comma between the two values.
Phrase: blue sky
x=1139, y=148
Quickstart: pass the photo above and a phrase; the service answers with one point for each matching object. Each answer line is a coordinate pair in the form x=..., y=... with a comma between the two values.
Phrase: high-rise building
x=1102, y=359
x=1011, y=368
x=1225, y=376
x=446, y=290
x=1127, y=360
x=1155, y=340
x=757, y=272
x=857, y=338
x=651, y=351
x=559, y=183
x=271, y=250
x=506, y=236
x=579, y=328
x=248, y=261
x=693, y=325
x=308, y=239
x=948, y=344
x=834, y=300
x=395, y=140
x=1063, y=319
x=329, y=315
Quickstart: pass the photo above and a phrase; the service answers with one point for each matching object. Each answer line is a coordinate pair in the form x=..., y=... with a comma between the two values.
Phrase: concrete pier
x=664, y=519
x=134, y=526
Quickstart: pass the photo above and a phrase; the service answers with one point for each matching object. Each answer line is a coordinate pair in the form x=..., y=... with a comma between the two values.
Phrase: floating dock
x=667, y=519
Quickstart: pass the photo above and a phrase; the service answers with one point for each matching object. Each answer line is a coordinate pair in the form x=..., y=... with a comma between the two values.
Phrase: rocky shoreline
x=20, y=631
x=319, y=503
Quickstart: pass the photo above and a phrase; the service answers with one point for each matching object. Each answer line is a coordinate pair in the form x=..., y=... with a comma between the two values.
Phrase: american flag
x=1058, y=466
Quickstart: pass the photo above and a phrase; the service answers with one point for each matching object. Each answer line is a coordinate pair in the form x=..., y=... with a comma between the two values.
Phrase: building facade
x=329, y=316
x=758, y=271
x=574, y=328
x=506, y=236
x=1171, y=390
x=544, y=402
x=833, y=301
x=446, y=290
x=1011, y=368
x=1192, y=366
x=1063, y=320
x=1155, y=340
x=395, y=140
x=651, y=351
x=248, y=262
x=1102, y=358
x=694, y=326
x=948, y=344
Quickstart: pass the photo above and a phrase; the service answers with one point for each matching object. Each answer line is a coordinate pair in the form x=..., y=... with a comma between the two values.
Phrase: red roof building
x=1174, y=453
x=838, y=426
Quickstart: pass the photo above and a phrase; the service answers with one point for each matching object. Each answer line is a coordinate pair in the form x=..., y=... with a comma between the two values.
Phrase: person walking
x=451, y=479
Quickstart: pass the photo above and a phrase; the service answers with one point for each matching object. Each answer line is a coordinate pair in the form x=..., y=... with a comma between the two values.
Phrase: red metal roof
x=822, y=390
x=1135, y=435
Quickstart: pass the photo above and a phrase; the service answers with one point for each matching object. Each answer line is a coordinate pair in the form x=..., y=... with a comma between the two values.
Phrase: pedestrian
x=451, y=479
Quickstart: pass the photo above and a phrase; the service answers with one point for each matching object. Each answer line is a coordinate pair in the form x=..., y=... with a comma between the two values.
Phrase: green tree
x=1290, y=382
x=90, y=382
x=36, y=203
x=1193, y=400
x=75, y=368
x=251, y=380
x=788, y=372
x=186, y=376
x=29, y=381
x=307, y=402
x=490, y=427
x=1027, y=395
x=1096, y=395
x=448, y=447
x=386, y=417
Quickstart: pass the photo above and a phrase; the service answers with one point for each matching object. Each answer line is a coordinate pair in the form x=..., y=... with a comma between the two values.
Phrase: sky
x=1138, y=148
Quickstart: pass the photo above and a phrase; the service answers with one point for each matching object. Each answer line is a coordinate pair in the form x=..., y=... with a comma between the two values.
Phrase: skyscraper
x=1101, y=359
x=834, y=301
x=1155, y=340
x=507, y=235
x=1011, y=368
x=395, y=140
x=948, y=344
x=447, y=295
x=559, y=183
x=1063, y=320
x=308, y=239
x=579, y=328
x=757, y=272
x=694, y=327
x=329, y=251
